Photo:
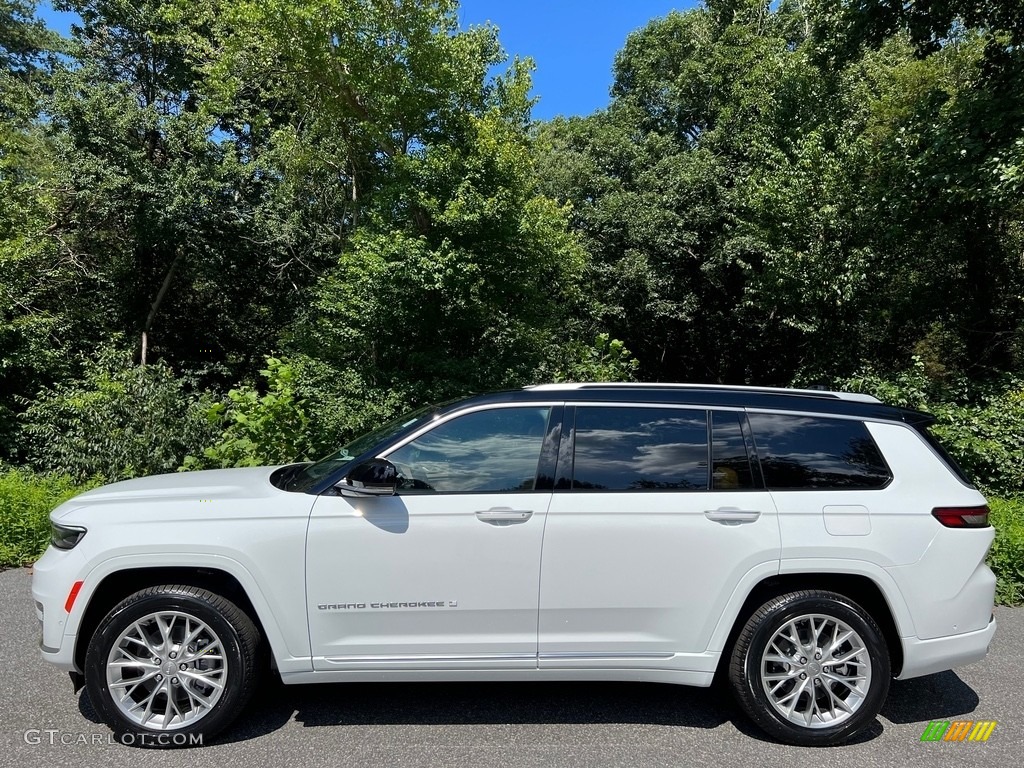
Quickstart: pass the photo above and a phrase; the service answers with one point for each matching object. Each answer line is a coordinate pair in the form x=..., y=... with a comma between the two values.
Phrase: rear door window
x=640, y=449
x=811, y=452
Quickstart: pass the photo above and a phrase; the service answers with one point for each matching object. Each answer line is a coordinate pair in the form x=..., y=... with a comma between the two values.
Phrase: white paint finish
x=632, y=585
x=926, y=657
x=949, y=589
x=879, y=576
x=846, y=519
x=424, y=548
x=900, y=529
x=645, y=572
x=230, y=520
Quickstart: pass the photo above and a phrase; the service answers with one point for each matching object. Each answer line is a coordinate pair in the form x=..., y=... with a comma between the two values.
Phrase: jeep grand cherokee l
x=808, y=546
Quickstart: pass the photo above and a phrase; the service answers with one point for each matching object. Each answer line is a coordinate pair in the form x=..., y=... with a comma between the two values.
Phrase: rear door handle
x=504, y=515
x=732, y=515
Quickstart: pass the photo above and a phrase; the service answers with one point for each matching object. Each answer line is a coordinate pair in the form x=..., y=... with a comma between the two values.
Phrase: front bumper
x=52, y=578
x=925, y=657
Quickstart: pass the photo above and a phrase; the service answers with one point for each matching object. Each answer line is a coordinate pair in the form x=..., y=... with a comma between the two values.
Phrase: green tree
x=780, y=191
x=120, y=420
x=29, y=356
x=451, y=272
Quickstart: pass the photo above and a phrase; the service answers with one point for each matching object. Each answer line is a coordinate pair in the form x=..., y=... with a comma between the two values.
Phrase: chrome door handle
x=732, y=515
x=504, y=515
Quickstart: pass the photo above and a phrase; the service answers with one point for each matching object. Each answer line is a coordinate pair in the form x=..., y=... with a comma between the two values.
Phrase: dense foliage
x=26, y=500
x=238, y=233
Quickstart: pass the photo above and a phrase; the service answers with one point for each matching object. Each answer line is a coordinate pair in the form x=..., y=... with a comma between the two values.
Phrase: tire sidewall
x=839, y=608
x=132, y=609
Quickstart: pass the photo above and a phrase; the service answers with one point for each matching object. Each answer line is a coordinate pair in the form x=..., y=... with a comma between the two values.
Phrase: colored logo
x=958, y=730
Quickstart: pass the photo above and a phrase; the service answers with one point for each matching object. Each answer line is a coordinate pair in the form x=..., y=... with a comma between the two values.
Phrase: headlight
x=65, y=536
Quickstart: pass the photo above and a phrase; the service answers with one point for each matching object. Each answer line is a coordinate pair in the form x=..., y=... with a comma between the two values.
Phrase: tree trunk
x=157, y=301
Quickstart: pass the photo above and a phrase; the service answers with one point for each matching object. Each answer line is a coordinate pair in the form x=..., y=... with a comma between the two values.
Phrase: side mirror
x=376, y=477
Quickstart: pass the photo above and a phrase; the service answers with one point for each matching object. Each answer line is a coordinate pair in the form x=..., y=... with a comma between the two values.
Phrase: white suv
x=808, y=545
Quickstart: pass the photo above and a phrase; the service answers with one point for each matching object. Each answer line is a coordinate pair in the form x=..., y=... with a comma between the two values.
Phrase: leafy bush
x=909, y=388
x=343, y=403
x=987, y=439
x=26, y=501
x=1007, y=555
x=119, y=421
x=983, y=429
x=606, y=359
x=256, y=429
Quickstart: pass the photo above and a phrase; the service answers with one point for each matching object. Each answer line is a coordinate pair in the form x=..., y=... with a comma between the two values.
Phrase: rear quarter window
x=817, y=453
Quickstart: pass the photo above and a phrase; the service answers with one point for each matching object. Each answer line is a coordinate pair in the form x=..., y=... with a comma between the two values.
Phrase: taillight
x=962, y=517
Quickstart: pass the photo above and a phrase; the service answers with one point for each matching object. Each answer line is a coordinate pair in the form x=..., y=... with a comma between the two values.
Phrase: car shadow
x=479, y=704
x=934, y=697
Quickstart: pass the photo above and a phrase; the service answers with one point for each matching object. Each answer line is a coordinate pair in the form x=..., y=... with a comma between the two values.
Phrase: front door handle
x=732, y=515
x=504, y=515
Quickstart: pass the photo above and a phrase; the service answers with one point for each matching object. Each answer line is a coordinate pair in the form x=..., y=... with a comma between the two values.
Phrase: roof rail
x=569, y=387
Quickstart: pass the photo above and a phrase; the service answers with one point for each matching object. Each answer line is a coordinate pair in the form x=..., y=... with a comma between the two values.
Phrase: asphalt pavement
x=512, y=725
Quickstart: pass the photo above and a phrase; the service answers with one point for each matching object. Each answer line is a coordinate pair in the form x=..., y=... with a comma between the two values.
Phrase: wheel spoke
x=202, y=701
x=812, y=710
x=837, y=702
x=202, y=677
x=174, y=705
x=845, y=680
x=797, y=693
x=167, y=709
x=848, y=658
x=782, y=675
x=147, y=705
x=191, y=635
x=817, y=632
x=165, y=631
x=838, y=642
x=132, y=662
x=793, y=635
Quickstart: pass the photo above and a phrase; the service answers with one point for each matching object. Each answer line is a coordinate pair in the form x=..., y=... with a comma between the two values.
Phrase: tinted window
x=812, y=452
x=730, y=464
x=639, y=449
x=483, y=452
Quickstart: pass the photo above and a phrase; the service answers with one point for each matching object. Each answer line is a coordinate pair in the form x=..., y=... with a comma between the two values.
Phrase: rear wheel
x=171, y=666
x=811, y=668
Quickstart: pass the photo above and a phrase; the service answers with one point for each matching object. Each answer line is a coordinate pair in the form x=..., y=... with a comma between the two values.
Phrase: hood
x=240, y=483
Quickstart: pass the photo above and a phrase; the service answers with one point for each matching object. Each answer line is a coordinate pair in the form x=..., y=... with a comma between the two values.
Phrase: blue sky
x=573, y=42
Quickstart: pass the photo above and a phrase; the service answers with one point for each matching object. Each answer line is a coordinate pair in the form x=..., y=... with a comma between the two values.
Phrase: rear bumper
x=925, y=657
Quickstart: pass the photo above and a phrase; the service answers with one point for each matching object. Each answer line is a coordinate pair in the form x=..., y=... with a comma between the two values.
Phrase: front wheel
x=171, y=666
x=811, y=668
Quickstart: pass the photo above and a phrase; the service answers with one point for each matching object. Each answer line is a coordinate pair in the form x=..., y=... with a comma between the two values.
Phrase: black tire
x=228, y=624
x=745, y=669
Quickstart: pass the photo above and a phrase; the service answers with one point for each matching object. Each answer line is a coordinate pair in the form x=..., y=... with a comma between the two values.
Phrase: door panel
x=643, y=566
x=419, y=578
x=633, y=574
x=447, y=572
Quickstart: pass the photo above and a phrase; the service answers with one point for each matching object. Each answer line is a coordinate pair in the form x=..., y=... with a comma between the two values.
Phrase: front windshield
x=312, y=474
